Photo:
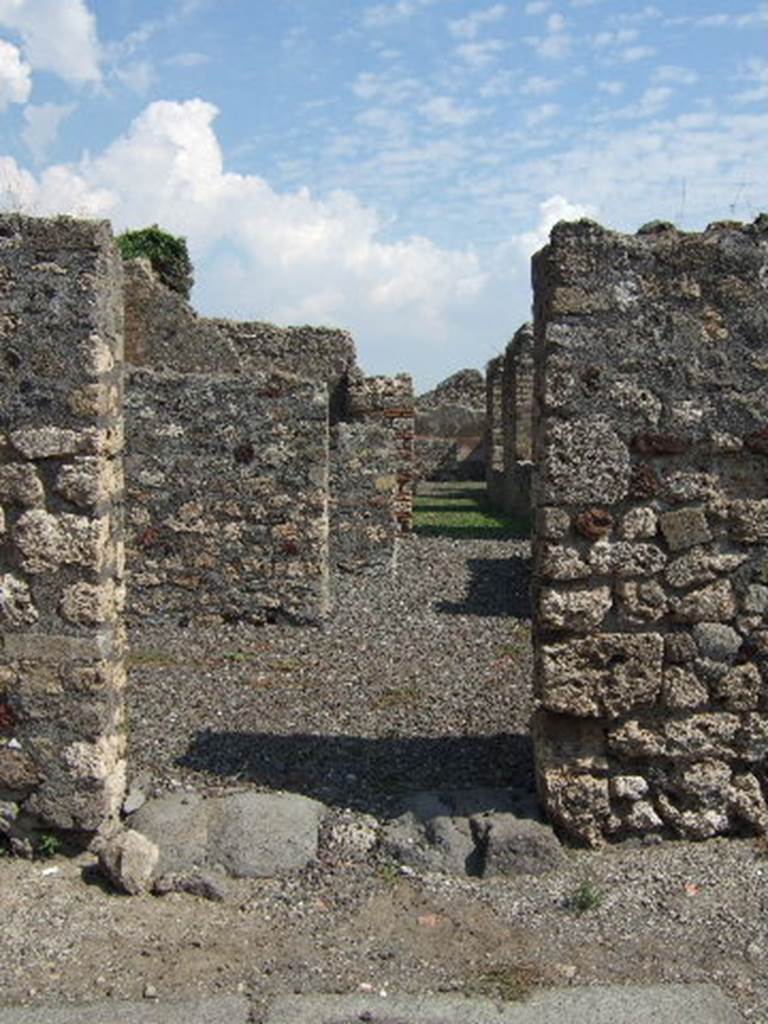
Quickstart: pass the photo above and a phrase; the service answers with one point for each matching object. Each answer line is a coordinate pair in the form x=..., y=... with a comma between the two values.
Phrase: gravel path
x=417, y=681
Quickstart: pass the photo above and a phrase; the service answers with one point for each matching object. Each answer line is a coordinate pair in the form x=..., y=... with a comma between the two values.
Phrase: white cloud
x=189, y=59
x=384, y=15
x=634, y=53
x=290, y=257
x=138, y=76
x=42, y=125
x=538, y=115
x=468, y=28
x=617, y=38
x=57, y=36
x=536, y=85
x=442, y=110
x=385, y=87
x=652, y=101
x=613, y=87
x=537, y=6
x=551, y=47
x=15, y=75
x=675, y=73
x=480, y=55
x=555, y=23
x=754, y=71
x=552, y=210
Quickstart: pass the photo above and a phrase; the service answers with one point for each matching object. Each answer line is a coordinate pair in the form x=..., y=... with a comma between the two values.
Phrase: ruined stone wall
x=517, y=422
x=450, y=429
x=314, y=353
x=61, y=587
x=494, y=431
x=390, y=402
x=162, y=331
x=363, y=490
x=651, y=554
x=227, y=492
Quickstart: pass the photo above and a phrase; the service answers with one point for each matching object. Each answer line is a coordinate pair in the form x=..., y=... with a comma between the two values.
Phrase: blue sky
x=387, y=167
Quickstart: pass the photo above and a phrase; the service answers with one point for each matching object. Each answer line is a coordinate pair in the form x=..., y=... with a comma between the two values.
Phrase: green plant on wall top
x=167, y=254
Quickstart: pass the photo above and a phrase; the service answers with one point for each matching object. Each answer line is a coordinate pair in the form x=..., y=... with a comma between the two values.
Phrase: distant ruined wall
x=651, y=551
x=517, y=422
x=390, y=402
x=61, y=589
x=450, y=429
x=494, y=431
x=227, y=491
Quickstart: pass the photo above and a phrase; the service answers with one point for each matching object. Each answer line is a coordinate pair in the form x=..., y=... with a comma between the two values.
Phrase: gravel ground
x=417, y=681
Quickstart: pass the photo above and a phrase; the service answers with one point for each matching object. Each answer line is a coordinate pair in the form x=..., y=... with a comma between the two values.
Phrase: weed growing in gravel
x=398, y=696
x=48, y=845
x=389, y=873
x=588, y=896
x=511, y=983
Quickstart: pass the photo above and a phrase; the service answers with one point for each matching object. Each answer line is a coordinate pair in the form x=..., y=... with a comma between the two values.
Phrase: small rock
x=194, y=883
x=129, y=860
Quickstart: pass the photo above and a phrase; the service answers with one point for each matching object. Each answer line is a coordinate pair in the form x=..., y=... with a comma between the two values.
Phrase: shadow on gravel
x=497, y=586
x=366, y=774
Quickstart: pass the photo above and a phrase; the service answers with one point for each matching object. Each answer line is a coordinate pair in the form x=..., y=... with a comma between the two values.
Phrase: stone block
x=641, y=601
x=626, y=559
x=639, y=523
x=580, y=611
x=585, y=461
x=260, y=835
x=685, y=528
x=601, y=676
x=714, y=603
x=741, y=688
x=700, y=565
x=552, y=523
x=749, y=520
x=557, y=562
x=20, y=484
x=683, y=689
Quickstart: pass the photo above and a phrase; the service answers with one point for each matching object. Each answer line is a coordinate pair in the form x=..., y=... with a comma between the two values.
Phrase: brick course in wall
x=390, y=402
x=651, y=550
x=61, y=558
x=227, y=489
x=517, y=422
x=494, y=431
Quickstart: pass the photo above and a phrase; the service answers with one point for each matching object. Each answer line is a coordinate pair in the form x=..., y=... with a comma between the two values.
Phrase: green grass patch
x=464, y=511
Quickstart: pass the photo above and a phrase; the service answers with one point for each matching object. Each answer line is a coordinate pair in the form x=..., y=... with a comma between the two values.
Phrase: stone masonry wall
x=390, y=402
x=314, y=353
x=517, y=422
x=362, y=496
x=651, y=555
x=162, y=331
x=494, y=435
x=61, y=588
x=227, y=490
